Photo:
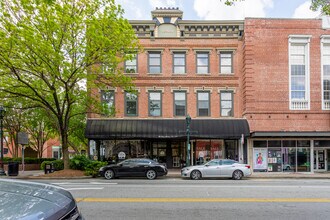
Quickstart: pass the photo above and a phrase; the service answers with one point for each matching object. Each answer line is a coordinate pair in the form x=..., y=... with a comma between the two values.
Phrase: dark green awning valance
x=111, y=129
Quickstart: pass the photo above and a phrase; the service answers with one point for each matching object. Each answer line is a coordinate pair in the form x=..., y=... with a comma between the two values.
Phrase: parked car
x=29, y=200
x=135, y=167
x=217, y=168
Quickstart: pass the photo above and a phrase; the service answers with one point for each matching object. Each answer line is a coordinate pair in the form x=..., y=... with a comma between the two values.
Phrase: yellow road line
x=183, y=200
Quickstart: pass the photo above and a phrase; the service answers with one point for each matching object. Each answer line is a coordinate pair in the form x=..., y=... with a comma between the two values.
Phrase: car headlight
x=101, y=169
x=185, y=169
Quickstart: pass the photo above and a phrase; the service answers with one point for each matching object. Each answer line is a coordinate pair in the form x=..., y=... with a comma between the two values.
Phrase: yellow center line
x=183, y=200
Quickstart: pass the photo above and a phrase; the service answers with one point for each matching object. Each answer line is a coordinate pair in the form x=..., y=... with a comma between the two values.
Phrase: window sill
x=154, y=74
x=226, y=74
x=179, y=74
x=131, y=73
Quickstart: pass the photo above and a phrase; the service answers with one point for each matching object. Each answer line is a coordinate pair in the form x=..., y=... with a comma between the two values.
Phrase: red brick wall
x=191, y=80
x=266, y=76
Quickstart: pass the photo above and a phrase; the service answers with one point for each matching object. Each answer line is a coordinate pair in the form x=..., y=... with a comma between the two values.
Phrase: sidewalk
x=175, y=173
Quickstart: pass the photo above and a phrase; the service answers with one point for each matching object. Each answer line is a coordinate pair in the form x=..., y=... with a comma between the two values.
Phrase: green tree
x=323, y=5
x=39, y=128
x=50, y=48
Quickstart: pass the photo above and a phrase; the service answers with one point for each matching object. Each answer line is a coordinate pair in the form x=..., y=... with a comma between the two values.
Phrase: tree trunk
x=65, y=151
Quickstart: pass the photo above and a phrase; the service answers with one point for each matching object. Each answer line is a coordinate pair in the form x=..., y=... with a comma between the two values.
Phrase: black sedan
x=28, y=200
x=135, y=167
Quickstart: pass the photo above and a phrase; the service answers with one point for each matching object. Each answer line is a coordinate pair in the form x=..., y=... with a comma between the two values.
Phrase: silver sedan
x=217, y=168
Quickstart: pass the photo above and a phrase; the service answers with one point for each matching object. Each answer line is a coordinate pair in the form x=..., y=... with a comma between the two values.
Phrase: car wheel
x=109, y=174
x=237, y=175
x=195, y=175
x=151, y=174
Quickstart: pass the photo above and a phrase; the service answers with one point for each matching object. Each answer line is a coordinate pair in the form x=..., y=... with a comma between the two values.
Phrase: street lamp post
x=2, y=115
x=188, y=120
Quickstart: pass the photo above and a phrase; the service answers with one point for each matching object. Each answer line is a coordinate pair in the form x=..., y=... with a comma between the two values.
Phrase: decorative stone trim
x=325, y=39
x=299, y=38
x=186, y=89
x=206, y=89
x=182, y=50
x=226, y=49
x=136, y=89
x=155, y=88
x=206, y=50
x=233, y=89
x=147, y=50
x=109, y=88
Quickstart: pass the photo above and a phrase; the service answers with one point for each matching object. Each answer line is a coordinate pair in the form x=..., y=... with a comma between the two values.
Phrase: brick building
x=286, y=93
x=187, y=68
x=257, y=91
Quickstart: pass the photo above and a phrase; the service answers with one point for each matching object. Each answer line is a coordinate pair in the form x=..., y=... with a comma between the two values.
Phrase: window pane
x=200, y=55
x=297, y=95
x=179, y=61
x=154, y=69
x=154, y=55
x=298, y=83
x=298, y=70
x=179, y=69
x=226, y=112
x=326, y=70
x=179, y=103
x=153, y=61
x=131, y=96
x=202, y=62
x=180, y=96
x=154, y=95
x=203, y=96
x=226, y=95
x=203, y=112
x=326, y=95
x=131, y=108
x=202, y=70
x=226, y=104
x=203, y=103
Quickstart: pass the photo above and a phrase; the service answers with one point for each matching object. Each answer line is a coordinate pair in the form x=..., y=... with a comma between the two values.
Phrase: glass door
x=320, y=160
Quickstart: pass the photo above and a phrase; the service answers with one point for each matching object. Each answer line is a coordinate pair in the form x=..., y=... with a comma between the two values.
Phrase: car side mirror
x=207, y=165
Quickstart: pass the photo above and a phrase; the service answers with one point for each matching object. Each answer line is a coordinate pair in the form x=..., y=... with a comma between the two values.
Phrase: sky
x=217, y=10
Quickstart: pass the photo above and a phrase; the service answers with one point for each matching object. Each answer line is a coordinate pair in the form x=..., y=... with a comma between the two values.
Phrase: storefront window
x=203, y=151
x=289, y=159
x=274, y=159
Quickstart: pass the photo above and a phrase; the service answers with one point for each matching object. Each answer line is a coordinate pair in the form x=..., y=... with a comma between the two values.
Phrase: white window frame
x=300, y=104
x=325, y=39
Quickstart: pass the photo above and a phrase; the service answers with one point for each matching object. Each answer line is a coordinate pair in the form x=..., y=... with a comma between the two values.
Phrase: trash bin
x=49, y=168
x=13, y=168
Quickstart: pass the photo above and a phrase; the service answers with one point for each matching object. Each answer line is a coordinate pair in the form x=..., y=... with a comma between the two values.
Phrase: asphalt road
x=203, y=199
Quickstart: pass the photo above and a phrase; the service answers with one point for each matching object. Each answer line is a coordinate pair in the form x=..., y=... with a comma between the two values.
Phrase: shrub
x=27, y=160
x=92, y=169
x=79, y=162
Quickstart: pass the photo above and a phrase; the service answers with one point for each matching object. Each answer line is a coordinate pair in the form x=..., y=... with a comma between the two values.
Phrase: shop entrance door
x=320, y=160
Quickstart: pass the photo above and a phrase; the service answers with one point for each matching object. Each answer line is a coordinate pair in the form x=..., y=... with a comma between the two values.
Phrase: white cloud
x=215, y=9
x=132, y=11
x=162, y=3
x=303, y=11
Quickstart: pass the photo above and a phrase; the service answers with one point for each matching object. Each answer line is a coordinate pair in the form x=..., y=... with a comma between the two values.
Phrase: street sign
x=22, y=138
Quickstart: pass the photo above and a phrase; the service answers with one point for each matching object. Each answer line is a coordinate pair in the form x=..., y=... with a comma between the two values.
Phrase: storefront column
x=240, y=150
x=312, y=156
x=250, y=153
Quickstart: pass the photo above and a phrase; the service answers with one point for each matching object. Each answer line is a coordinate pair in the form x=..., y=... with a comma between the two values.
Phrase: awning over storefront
x=116, y=129
x=289, y=134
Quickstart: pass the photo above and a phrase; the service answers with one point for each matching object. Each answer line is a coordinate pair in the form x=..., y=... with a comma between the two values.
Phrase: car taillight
x=247, y=166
